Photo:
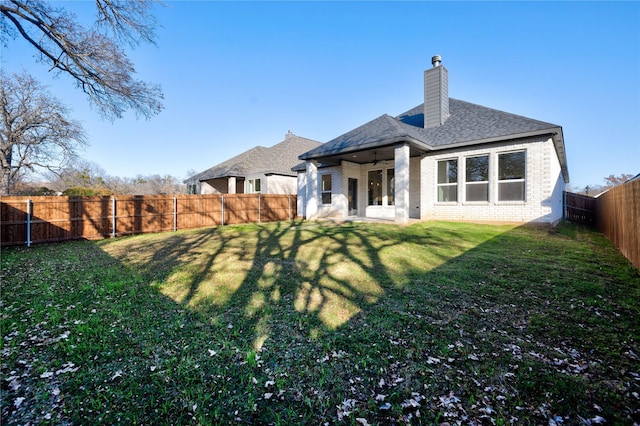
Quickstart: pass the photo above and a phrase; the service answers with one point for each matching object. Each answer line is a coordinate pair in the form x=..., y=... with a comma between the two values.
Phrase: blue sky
x=240, y=74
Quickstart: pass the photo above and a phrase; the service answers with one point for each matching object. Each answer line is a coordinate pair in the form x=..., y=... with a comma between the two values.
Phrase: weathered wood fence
x=579, y=208
x=33, y=220
x=616, y=214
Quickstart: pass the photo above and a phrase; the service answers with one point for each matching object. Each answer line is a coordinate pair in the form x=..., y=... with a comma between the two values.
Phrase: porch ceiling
x=365, y=156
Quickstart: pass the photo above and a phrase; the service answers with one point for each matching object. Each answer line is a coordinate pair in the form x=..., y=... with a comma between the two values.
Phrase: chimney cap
x=436, y=60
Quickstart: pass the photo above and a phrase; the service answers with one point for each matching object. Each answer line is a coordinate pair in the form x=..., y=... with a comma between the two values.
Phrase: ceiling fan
x=375, y=160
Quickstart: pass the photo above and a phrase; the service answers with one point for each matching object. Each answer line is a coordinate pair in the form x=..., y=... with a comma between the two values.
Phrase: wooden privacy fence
x=617, y=216
x=579, y=208
x=615, y=213
x=33, y=220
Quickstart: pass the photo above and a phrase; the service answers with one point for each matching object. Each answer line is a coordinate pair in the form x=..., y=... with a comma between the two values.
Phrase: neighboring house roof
x=278, y=159
x=468, y=124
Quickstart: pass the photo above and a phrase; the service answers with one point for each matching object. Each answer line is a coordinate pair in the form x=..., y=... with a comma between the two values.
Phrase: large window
x=391, y=186
x=374, y=179
x=254, y=186
x=326, y=189
x=477, y=178
x=511, y=176
x=447, y=180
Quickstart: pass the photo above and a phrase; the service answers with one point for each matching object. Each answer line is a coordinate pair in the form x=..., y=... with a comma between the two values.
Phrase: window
x=448, y=180
x=326, y=189
x=374, y=179
x=391, y=188
x=253, y=186
x=477, y=178
x=192, y=189
x=511, y=176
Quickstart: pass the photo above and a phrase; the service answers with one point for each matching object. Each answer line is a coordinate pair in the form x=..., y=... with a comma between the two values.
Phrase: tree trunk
x=5, y=181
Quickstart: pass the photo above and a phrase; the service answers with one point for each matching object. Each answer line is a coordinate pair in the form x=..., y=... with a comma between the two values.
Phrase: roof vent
x=436, y=60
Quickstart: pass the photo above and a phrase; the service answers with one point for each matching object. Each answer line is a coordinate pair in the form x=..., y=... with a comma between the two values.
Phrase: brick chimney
x=436, y=94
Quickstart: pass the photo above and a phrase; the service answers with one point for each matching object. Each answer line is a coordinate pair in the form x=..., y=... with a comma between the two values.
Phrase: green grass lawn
x=313, y=323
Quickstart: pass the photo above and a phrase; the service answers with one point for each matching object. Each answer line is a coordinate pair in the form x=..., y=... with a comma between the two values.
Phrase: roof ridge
x=504, y=112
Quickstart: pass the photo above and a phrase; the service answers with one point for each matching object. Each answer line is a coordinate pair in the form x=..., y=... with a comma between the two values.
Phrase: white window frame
x=325, y=191
x=447, y=184
x=479, y=182
x=391, y=187
x=381, y=195
x=523, y=180
x=251, y=186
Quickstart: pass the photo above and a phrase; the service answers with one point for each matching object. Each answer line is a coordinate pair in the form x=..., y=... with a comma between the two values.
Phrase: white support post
x=28, y=223
x=402, y=157
x=175, y=214
x=222, y=198
x=259, y=202
x=312, y=190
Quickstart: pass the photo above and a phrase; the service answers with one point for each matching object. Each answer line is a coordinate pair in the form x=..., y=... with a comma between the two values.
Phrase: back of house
x=444, y=159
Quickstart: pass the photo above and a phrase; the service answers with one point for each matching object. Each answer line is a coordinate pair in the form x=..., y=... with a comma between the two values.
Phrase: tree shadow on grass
x=266, y=274
x=298, y=322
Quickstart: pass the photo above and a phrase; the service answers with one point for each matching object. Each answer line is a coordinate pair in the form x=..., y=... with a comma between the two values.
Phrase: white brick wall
x=301, y=200
x=543, y=186
x=278, y=184
x=414, y=188
x=338, y=206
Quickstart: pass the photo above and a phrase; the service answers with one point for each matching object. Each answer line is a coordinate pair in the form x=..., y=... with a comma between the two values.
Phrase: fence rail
x=33, y=220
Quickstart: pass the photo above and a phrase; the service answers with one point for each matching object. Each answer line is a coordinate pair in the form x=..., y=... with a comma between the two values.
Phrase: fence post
x=28, y=222
x=289, y=206
x=259, y=202
x=175, y=214
x=222, y=199
x=113, y=217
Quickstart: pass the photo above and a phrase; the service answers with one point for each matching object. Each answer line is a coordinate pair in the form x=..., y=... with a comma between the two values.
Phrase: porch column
x=312, y=190
x=231, y=183
x=402, y=182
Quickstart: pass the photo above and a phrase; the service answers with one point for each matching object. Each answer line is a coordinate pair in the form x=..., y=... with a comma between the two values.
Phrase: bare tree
x=92, y=57
x=77, y=174
x=35, y=133
x=612, y=181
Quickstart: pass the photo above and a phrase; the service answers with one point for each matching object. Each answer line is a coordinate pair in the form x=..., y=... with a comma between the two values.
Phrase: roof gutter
x=554, y=132
x=366, y=146
x=209, y=177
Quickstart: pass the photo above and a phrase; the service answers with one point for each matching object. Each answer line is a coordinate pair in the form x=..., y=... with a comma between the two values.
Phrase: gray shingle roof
x=468, y=124
x=278, y=159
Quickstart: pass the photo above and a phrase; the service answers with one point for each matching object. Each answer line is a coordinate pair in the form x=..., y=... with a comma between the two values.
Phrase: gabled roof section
x=472, y=124
x=278, y=159
x=240, y=165
x=468, y=124
x=384, y=129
